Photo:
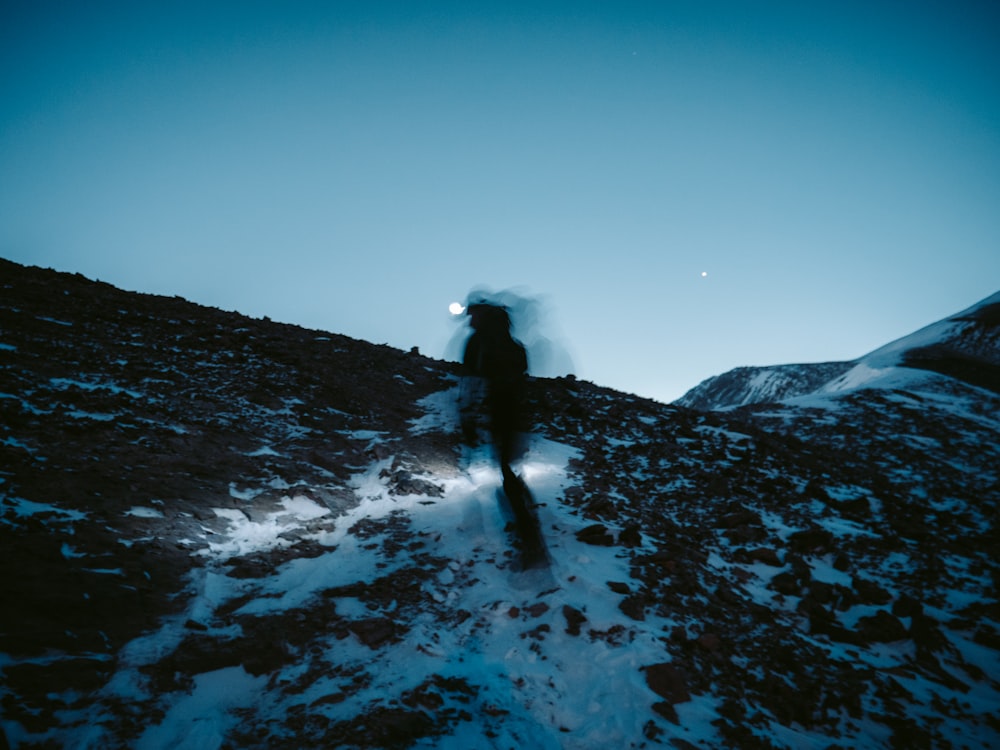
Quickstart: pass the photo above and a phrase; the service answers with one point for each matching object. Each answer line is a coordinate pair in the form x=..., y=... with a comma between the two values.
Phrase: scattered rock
x=739, y=518
x=537, y=609
x=670, y=683
x=906, y=606
x=766, y=555
x=597, y=535
x=881, y=627
x=786, y=583
x=574, y=619
x=634, y=606
x=811, y=541
x=214, y=410
x=667, y=711
x=630, y=536
x=709, y=642
x=870, y=592
x=404, y=483
x=858, y=509
x=374, y=632
x=926, y=634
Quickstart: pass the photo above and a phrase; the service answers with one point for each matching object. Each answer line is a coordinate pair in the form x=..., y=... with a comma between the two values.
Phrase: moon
x=456, y=308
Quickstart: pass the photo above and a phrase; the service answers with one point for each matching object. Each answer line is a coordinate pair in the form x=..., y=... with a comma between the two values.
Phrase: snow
x=142, y=512
x=63, y=384
x=536, y=684
x=264, y=450
x=53, y=320
x=23, y=508
x=239, y=494
x=246, y=536
x=860, y=375
x=551, y=689
x=440, y=411
x=69, y=552
x=200, y=720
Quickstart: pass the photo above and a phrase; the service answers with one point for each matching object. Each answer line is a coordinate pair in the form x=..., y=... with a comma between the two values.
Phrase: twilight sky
x=688, y=186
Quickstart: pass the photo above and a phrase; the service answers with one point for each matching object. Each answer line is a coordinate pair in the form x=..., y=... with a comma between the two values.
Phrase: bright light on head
x=456, y=308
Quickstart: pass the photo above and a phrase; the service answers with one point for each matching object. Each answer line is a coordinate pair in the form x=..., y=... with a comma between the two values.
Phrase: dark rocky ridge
x=113, y=401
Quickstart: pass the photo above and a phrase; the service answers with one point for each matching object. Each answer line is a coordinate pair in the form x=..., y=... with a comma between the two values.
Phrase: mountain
x=965, y=346
x=224, y=532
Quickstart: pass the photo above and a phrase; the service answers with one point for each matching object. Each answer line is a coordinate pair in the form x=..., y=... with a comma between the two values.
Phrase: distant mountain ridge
x=964, y=346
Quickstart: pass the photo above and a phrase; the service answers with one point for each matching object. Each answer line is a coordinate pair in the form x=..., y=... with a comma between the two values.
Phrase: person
x=493, y=355
x=496, y=368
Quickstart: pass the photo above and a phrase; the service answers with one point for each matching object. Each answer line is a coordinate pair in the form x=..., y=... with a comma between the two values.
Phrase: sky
x=684, y=187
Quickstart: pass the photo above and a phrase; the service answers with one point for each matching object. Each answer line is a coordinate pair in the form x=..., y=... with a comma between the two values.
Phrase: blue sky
x=833, y=167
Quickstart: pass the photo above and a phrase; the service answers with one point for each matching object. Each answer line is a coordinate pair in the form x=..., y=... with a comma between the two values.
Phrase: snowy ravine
x=221, y=532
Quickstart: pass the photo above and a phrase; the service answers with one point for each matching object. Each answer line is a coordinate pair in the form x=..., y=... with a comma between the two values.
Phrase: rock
x=907, y=606
x=821, y=592
x=631, y=536
x=870, y=592
x=386, y=727
x=709, y=642
x=814, y=540
x=669, y=682
x=799, y=568
x=619, y=588
x=785, y=583
x=667, y=711
x=574, y=619
x=380, y=451
x=881, y=627
x=926, y=634
x=739, y=518
x=404, y=483
x=727, y=596
x=596, y=534
x=537, y=609
x=858, y=509
x=745, y=534
x=634, y=606
x=766, y=555
x=374, y=632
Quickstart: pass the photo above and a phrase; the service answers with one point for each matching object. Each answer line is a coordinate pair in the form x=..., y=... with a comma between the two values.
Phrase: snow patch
x=201, y=720
x=141, y=512
x=246, y=536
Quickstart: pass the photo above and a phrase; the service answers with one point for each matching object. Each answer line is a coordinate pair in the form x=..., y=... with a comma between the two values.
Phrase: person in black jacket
x=495, y=356
x=498, y=364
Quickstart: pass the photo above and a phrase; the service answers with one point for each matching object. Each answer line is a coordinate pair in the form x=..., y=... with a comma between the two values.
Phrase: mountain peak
x=965, y=346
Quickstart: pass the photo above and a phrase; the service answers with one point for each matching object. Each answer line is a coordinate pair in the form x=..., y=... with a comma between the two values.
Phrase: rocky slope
x=225, y=532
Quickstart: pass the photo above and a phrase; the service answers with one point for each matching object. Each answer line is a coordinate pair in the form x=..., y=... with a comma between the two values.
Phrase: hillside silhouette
x=221, y=531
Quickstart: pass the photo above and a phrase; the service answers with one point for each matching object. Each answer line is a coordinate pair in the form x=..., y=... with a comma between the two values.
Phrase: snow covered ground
x=526, y=681
x=221, y=532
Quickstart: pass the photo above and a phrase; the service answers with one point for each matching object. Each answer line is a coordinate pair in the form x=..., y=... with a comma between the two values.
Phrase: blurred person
x=495, y=366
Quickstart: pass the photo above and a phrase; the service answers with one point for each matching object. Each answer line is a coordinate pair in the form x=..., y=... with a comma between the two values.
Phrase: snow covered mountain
x=964, y=346
x=222, y=532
